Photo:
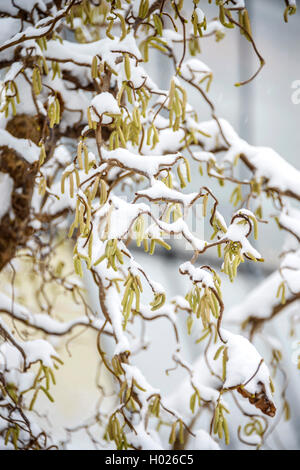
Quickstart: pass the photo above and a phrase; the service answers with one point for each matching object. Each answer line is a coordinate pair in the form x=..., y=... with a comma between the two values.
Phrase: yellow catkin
x=57, y=111
x=172, y=436
x=42, y=155
x=62, y=183
x=103, y=192
x=77, y=177
x=171, y=94
x=226, y=431
x=90, y=247
x=181, y=178
x=90, y=121
x=95, y=188
x=188, y=169
x=94, y=67
x=246, y=23
x=158, y=24
x=81, y=219
x=88, y=217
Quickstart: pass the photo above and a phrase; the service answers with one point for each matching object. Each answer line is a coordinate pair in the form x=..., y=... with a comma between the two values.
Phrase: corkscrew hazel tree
x=82, y=122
